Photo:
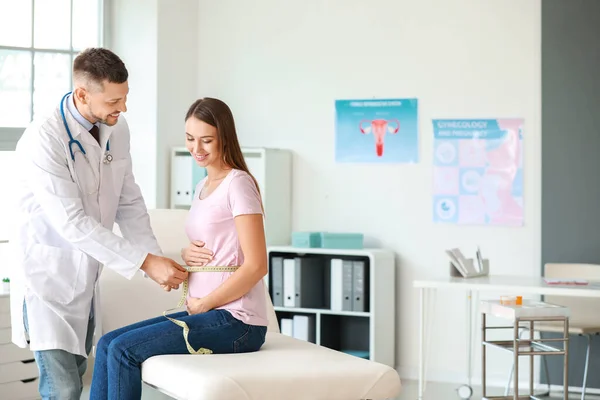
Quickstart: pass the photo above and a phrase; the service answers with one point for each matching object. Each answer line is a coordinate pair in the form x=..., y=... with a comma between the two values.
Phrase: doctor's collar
x=77, y=115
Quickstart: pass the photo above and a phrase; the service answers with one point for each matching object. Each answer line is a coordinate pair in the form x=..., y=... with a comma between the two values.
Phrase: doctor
x=74, y=181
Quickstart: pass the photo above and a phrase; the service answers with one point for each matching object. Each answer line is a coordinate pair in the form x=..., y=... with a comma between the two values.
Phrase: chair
x=584, y=320
x=284, y=368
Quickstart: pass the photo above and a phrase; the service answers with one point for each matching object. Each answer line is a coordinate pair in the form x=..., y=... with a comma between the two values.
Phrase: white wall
x=177, y=82
x=133, y=35
x=157, y=40
x=280, y=66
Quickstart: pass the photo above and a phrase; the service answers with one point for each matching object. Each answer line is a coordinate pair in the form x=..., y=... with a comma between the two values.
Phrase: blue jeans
x=60, y=371
x=120, y=353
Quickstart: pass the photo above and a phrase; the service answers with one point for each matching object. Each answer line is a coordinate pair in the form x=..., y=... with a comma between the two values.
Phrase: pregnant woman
x=226, y=304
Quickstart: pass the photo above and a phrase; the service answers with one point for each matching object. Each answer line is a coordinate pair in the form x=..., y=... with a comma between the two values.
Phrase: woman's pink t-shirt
x=211, y=220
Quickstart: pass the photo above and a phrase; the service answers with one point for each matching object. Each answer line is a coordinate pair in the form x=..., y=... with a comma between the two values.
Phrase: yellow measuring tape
x=186, y=329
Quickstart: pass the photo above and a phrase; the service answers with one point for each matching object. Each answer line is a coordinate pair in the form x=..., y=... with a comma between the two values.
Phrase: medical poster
x=376, y=131
x=478, y=171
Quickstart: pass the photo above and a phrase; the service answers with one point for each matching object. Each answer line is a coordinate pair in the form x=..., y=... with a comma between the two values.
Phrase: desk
x=518, y=285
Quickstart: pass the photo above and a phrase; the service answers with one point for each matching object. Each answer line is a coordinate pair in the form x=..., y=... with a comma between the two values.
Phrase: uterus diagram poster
x=478, y=171
x=377, y=131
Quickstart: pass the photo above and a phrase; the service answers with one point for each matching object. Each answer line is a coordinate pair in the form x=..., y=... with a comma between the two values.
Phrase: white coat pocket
x=118, y=174
x=53, y=272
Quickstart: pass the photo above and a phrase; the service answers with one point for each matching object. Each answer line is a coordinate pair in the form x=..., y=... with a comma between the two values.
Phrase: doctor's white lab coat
x=63, y=229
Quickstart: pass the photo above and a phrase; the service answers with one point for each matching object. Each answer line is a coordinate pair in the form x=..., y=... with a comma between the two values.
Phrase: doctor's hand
x=196, y=254
x=164, y=271
x=167, y=288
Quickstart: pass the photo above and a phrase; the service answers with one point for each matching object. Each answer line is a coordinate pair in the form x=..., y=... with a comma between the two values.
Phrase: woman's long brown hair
x=218, y=114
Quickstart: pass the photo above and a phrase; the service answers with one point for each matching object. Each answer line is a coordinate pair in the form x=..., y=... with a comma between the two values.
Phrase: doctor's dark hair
x=218, y=114
x=98, y=65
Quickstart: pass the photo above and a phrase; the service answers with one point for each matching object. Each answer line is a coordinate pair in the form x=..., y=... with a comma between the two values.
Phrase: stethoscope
x=72, y=141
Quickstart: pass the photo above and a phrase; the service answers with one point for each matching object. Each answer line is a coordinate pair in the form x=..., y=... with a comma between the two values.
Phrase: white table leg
x=466, y=391
x=470, y=337
x=476, y=326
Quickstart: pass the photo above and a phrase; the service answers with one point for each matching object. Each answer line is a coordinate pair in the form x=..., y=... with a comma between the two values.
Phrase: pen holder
x=455, y=272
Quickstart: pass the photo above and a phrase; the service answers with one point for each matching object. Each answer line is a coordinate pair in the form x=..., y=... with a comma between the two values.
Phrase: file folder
x=336, y=284
x=182, y=184
x=289, y=286
x=358, y=288
x=304, y=327
x=347, y=285
x=308, y=281
x=277, y=281
x=341, y=285
x=287, y=327
x=303, y=282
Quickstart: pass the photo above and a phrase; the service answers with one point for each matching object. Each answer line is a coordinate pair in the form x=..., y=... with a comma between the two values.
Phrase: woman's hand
x=196, y=254
x=197, y=305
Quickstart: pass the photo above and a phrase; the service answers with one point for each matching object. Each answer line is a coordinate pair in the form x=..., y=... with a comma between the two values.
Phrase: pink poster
x=478, y=172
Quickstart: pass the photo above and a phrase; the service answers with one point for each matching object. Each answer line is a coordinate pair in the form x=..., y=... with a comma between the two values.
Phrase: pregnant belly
x=203, y=283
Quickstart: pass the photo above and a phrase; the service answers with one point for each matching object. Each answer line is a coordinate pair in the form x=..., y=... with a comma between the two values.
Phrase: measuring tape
x=186, y=329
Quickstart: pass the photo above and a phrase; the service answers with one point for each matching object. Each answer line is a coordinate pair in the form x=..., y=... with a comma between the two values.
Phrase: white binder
x=336, y=292
x=304, y=327
x=287, y=327
x=289, y=282
x=182, y=186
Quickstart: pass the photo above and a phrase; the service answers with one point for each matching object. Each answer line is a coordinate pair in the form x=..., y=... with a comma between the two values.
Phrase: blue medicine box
x=306, y=239
x=333, y=240
x=328, y=240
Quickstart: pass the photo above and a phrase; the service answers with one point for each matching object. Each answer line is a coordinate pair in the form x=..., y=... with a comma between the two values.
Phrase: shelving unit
x=272, y=169
x=368, y=332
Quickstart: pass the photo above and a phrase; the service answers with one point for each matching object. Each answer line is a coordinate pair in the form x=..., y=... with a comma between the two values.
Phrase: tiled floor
x=435, y=391
x=447, y=391
x=148, y=393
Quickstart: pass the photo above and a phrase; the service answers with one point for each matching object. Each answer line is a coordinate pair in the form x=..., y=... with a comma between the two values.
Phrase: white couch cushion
x=284, y=368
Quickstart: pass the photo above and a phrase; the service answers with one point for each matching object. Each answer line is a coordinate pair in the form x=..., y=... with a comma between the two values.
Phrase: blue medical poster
x=478, y=171
x=377, y=131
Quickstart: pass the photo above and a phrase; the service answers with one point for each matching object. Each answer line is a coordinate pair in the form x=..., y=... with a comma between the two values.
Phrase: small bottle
x=519, y=300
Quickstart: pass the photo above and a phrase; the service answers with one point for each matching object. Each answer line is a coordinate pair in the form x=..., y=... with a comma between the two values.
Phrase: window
x=38, y=41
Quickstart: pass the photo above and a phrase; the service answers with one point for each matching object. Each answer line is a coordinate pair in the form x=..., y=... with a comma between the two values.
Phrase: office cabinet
x=18, y=371
x=272, y=169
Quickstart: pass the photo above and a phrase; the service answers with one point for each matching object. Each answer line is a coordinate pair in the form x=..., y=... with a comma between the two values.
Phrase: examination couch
x=285, y=368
